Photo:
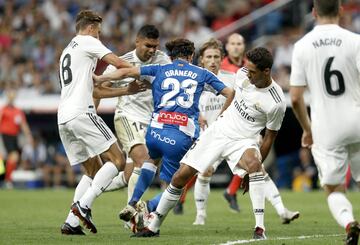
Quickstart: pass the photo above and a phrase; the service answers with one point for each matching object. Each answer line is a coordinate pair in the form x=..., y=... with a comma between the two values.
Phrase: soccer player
x=133, y=112
x=235, y=59
x=174, y=125
x=82, y=132
x=210, y=105
x=259, y=103
x=327, y=62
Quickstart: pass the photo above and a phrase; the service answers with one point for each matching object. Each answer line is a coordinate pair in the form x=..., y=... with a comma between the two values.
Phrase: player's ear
x=341, y=11
x=267, y=71
x=314, y=13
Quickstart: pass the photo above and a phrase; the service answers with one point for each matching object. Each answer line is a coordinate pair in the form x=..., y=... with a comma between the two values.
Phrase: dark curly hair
x=180, y=48
x=261, y=57
x=148, y=31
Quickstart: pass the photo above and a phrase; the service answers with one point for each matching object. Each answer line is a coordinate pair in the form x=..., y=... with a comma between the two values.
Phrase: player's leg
x=230, y=193
x=179, y=209
x=201, y=195
x=250, y=161
x=332, y=165
x=97, y=138
x=132, y=137
x=272, y=194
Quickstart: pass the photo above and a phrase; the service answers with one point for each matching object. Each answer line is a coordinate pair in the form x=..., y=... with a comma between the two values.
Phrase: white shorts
x=212, y=147
x=129, y=132
x=332, y=163
x=84, y=137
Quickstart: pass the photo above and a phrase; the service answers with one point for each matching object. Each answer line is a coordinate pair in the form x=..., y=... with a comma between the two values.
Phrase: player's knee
x=253, y=165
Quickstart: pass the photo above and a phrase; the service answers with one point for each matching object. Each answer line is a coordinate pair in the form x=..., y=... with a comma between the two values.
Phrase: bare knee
x=334, y=188
x=92, y=166
x=182, y=176
x=114, y=155
x=253, y=166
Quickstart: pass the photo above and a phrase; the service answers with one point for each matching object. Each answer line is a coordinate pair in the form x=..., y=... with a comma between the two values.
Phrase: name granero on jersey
x=327, y=42
x=241, y=107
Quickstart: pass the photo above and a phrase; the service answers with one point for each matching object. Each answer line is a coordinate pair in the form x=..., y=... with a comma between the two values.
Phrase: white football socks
x=257, y=196
x=340, y=208
x=201, y=193
x=101, y=180
x=273, y=196
x=117, y=183
x=168, y=200
x=81, y=188
x=132, y=181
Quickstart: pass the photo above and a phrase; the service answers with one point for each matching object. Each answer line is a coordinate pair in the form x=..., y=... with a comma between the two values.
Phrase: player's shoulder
x=277, y=94
x=161, y=57
x=129, y=56
x=242, y=73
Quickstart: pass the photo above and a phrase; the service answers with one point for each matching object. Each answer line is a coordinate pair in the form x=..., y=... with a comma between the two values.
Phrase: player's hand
x=245, y=184
x=97, y=79
x=136, y=87
x=202, y=122
x=306, y=139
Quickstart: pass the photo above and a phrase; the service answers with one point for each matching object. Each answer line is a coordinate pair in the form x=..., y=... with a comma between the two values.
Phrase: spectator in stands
x=12, y=123
x=305, y=175
x=235, y=48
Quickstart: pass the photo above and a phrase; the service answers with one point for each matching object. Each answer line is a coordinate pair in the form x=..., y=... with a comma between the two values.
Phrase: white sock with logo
x=84, y=184
x=340, y=208
x=257, y=196
x=101, y=180
x=201, y=193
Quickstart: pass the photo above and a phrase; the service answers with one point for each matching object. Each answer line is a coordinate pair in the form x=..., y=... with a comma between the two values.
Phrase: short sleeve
x=276, y=116
x=297, y=77
x=148, y=72
x=213, y=81
x=95, y=48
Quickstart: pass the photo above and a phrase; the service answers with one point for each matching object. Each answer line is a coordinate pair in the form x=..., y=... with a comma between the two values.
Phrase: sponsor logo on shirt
x=241, y=108
x=163, y=139
x=173, y=118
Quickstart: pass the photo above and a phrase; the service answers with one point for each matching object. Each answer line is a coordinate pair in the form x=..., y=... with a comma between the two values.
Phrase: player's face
x=146, y=48
x=211, y=60
x=235, y=46
x=257, y=77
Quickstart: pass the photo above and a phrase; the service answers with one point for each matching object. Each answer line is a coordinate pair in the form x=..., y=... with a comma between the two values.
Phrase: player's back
x=176, y=91
x=329, y=56
x=77, y=63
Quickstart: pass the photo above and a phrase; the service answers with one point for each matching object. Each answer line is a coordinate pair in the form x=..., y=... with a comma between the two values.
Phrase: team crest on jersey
x=245, y=83
x=257, y=106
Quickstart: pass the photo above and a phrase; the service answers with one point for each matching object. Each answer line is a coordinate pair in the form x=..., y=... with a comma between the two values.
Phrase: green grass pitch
x=34, y=217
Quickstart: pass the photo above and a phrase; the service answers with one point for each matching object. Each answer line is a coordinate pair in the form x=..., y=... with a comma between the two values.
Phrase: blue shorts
x=170, y=145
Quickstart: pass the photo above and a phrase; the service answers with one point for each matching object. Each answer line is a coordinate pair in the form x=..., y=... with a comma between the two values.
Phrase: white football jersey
x=138, y=107
x=252, y=109
x=77, y=64
x=211, y=104
x=327, y=61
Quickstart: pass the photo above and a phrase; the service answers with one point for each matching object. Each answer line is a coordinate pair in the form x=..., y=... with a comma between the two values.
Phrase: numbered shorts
x=129, y=132
x=332, y=163
x=84, y=137
x=213, y=147
x=170, y=145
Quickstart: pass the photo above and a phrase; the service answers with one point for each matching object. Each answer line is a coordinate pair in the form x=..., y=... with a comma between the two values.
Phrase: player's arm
x=105, y=90
x=229, y=93
x=267, y=142
x=118, y=74
x=114, y=60
x=300, y=111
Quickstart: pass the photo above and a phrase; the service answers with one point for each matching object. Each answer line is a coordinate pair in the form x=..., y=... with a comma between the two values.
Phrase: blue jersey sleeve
x=148, y=72
x=213, y=81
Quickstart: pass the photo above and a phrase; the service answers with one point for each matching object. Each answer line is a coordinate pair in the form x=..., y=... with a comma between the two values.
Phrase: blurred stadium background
x=34, y=32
